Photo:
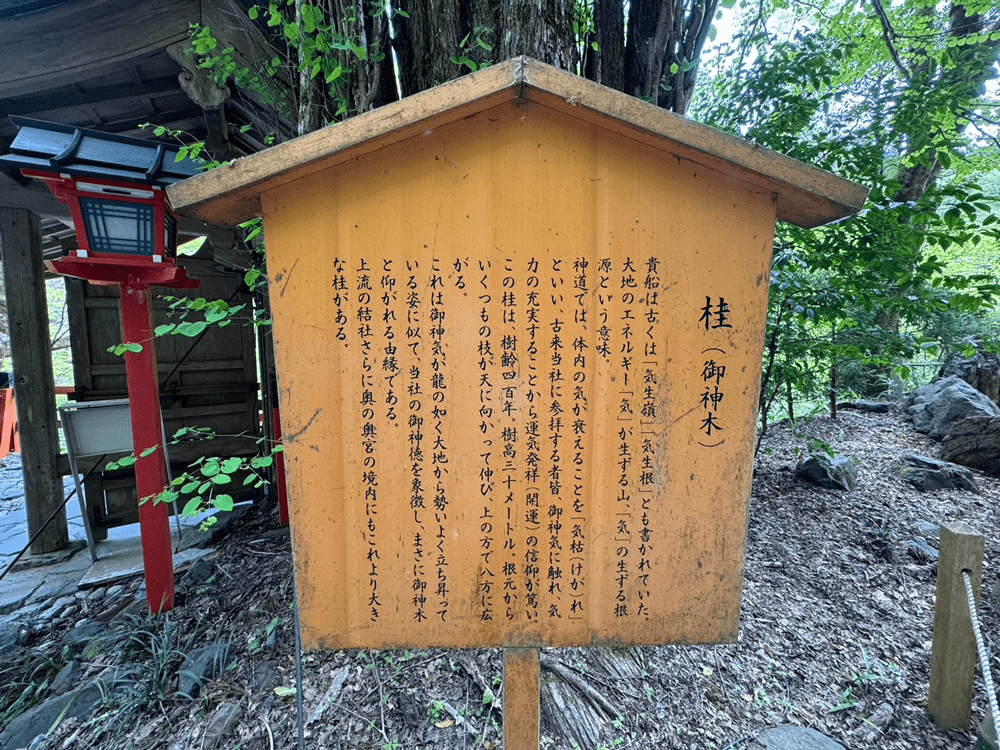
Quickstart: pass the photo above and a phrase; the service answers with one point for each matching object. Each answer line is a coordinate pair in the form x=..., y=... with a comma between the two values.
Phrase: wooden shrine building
x=111, y=65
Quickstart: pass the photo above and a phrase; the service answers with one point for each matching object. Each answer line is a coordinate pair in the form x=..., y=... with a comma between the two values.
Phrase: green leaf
x=167, y=496
x=126, y=461
x=164, y=329
x=223, y=502
x=191, y=507
x=222, y=479
x=284, y=692
x=231, y=465
x=149, y=451
x=251, y=276
x=334, y=75
x=674, y=68
x=253, y=12
x=190, y=487
x=211, y=468
x=191, y=329
x=261, y=462
x=120, y=349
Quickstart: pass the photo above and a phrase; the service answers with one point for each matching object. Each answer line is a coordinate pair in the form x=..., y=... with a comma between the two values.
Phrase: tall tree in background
x=338, y=55
x=890, y=98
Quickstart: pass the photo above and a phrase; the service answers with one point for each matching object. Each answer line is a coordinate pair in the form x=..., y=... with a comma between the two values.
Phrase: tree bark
x=426, y=40
x=576, y=702
x=607, y=62
x=665, y=40
x=541, y=29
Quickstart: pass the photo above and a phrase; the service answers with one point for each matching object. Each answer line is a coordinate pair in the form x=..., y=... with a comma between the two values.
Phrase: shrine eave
x=804, y=195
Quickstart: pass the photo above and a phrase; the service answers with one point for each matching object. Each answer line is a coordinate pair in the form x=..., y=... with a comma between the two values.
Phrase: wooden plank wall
x=214, y=386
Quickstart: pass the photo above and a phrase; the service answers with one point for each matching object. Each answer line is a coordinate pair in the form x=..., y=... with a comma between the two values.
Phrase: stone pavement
x=13, y=524
x=42, y=589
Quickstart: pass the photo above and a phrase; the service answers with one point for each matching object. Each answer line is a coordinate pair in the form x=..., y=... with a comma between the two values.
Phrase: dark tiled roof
x=64, y=149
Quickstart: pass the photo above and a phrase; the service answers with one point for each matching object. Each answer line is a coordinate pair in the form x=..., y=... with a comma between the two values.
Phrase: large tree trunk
x=658, y=62
x=665, y=40
x=426, y=39
x=541, y=29
x=605, y=51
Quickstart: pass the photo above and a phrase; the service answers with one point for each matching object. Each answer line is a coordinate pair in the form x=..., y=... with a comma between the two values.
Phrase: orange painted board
x=519, y=359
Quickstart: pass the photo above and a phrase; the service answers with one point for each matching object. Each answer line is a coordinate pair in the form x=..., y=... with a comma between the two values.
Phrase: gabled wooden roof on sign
x=804, y=195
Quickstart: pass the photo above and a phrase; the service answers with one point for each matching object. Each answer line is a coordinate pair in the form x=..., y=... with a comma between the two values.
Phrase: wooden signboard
x=518, y=325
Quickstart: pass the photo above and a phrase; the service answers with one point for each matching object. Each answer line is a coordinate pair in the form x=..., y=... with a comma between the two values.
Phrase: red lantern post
x=134, y=273
x=127, y=236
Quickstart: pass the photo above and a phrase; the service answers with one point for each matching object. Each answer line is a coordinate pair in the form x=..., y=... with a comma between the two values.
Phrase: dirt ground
x=835, y=635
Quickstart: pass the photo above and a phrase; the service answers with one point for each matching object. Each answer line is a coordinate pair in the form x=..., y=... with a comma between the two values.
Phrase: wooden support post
x=279, y=471
x=953, y=660
x=520, y=698
x=27, y=312
x=147, y=433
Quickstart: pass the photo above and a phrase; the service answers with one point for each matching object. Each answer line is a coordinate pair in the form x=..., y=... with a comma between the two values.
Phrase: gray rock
x=265, y=675
x=15, y=593
x=981, y=371
x=78, y=704
x=66, y=678
x=938, y=407
x=200, y=572
x=789, y=737
x=832, y=473
x=83, y=633
x=975, y=442
x=920, y=551
x=200, y=666
x=115, y=591
x=64, y=601
x=927, y=474
x=13, y=632
x=49, y=613
x=221, y=723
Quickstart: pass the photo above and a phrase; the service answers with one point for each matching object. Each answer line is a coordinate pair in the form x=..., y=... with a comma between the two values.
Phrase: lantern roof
x=51, y=147
x=804, y=195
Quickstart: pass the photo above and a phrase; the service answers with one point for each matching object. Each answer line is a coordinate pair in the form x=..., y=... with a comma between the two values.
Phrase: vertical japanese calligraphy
x=714, y=316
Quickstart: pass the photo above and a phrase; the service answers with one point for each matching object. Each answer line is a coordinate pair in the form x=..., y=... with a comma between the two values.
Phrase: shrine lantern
x=127, y=236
